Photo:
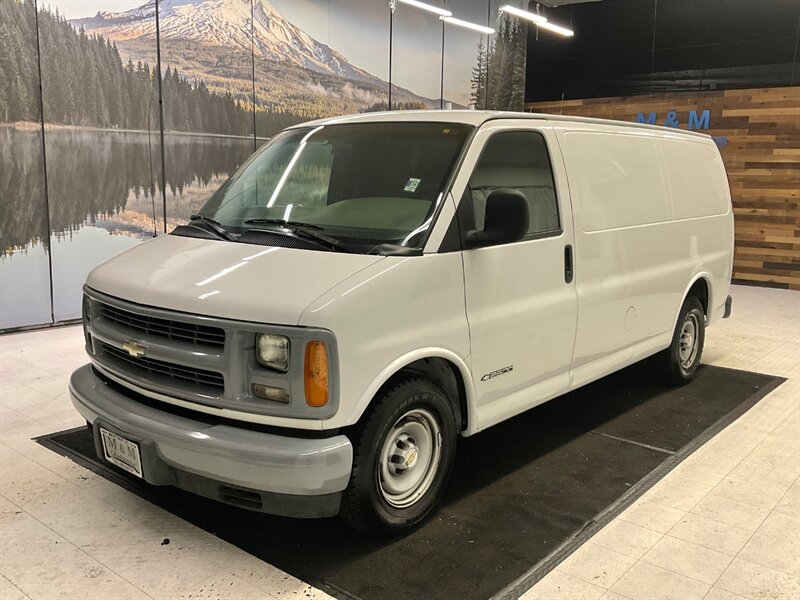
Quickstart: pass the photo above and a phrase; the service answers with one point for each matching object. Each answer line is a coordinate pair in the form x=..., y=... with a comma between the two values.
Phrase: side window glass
x=517, y=160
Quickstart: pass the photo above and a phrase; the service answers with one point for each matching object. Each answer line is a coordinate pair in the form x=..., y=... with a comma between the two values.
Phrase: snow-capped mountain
x=226, y=23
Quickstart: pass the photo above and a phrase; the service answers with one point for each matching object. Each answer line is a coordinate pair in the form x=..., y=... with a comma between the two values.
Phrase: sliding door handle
x=569, y=270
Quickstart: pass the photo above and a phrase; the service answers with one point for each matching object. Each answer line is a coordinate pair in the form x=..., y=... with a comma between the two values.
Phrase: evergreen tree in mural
x=85, y=82
x=381, y=106
x=498, y=78
x=19, y=94
x=477, y=95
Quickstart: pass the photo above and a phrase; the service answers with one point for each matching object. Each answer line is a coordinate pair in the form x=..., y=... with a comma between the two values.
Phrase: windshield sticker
x=411, y=185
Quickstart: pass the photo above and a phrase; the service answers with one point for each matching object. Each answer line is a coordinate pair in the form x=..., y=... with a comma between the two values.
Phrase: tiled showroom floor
x=725, y=524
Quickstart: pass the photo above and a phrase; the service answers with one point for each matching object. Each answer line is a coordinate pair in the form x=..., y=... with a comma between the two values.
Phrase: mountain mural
x=225, y=23
x=211, y=40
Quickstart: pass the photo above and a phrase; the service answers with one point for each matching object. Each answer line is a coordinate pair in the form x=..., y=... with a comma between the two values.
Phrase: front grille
x=165, y=328
x=160, y=371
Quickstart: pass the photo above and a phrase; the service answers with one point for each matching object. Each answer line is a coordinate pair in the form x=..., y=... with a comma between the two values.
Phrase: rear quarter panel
x=649, y=225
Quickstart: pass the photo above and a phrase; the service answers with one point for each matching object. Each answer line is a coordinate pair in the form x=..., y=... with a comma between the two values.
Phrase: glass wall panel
x=417, y=57
x=465, y=55
x=24, y=243
x=207, y=68
x=319, y=58
x=101, y=136
x=506, y=59
x=368, y=51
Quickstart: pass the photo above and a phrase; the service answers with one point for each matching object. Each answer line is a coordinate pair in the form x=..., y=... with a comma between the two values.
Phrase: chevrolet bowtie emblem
x=134, y=348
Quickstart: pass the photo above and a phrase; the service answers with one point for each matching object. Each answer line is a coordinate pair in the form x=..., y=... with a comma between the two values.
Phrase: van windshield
x=360, y=184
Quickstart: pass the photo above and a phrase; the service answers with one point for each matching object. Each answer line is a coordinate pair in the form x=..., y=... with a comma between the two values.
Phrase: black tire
x=364, y=503
x=677, y=368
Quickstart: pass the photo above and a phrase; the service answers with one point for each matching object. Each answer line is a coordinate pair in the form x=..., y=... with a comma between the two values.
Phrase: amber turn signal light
x=316, y=373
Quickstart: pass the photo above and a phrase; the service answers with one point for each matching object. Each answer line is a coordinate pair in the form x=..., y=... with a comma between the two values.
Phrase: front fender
x=403, y=361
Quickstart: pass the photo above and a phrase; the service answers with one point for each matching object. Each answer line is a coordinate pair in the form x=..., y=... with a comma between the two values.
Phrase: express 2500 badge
x=497, y=373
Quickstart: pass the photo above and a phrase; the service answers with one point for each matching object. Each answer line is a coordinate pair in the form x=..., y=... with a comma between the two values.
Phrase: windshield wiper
x=213, y=225
x=283, y=222
x=303, y=230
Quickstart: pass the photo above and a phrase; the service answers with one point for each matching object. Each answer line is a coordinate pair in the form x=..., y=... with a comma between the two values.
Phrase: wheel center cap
x=411, y=458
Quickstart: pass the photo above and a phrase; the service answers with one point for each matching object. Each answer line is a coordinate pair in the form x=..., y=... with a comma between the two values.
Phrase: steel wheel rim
x=409, y=458
x=689, y=340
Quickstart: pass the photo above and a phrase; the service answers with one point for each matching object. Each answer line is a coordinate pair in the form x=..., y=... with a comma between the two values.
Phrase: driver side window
x=517, y=160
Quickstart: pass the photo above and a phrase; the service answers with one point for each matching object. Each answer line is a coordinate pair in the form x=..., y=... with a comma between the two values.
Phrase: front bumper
x=261, y=471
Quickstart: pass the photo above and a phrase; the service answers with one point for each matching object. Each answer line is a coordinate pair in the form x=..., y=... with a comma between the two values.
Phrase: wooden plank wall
x=762, y=157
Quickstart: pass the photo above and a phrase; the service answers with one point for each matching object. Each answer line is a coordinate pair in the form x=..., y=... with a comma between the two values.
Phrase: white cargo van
x=366, y=289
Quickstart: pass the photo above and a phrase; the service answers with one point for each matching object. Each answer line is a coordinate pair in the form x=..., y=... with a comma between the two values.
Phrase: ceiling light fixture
x=434, y=9
x=468, y=25
x=537, y=19
x=523, y=14
x=556, y=28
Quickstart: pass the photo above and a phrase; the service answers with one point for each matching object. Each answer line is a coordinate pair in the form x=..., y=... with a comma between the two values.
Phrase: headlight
x=86, y=310
x=273, y=351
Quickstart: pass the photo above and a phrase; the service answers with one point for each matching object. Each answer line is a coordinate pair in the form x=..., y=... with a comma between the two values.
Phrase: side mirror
x=506, y=220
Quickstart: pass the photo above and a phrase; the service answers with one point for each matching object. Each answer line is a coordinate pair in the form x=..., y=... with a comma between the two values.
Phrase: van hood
x=246, y=282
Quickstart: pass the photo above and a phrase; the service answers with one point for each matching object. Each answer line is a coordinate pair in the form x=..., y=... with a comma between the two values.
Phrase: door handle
x=569, y=271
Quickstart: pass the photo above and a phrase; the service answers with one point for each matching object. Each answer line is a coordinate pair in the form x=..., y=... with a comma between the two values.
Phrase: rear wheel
x=680, y=361
x=402, y=456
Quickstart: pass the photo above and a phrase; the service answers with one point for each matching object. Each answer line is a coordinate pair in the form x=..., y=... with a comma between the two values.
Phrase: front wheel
x=402, y=456
x=680, y=361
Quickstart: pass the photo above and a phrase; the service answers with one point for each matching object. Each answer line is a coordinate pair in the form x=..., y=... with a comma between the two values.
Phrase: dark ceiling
x=641, y=46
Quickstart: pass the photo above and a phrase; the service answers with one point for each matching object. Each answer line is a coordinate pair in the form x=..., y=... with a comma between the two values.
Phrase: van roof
x=479, y=117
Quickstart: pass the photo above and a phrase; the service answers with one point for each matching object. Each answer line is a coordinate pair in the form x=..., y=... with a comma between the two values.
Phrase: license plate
x=121, y=452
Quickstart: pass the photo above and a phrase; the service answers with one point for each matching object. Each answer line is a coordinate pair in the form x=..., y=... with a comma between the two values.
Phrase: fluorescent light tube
x=539, y=20
x=556, y=28
x=467, y=24
x=523, y=14
x=434, y=9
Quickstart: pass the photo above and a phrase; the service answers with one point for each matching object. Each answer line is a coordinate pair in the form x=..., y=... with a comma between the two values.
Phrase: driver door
x=521, y=301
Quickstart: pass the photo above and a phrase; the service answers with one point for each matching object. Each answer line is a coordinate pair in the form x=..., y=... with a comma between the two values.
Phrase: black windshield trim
x=211, y=225
x=454, y=171
x=323, y=241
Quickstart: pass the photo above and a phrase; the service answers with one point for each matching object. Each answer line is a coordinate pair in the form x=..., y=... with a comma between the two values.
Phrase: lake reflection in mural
x=104, y=198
